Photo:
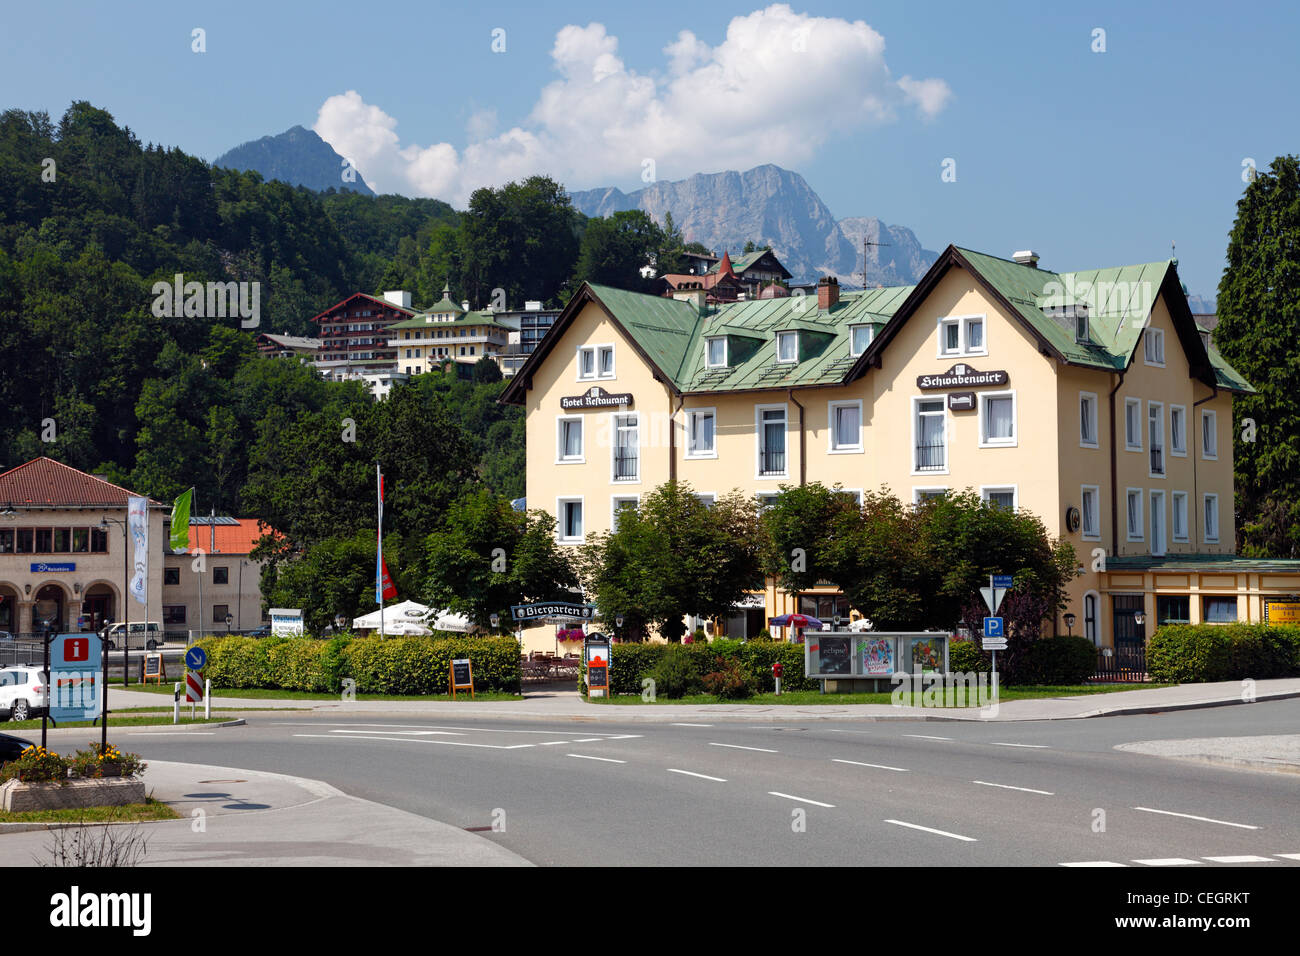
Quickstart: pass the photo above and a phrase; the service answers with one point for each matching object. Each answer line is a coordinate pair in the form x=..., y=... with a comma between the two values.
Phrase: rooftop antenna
x=867, y=242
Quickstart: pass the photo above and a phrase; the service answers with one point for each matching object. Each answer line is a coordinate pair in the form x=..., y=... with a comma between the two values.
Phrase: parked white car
x=24, y=692
x=143, y=636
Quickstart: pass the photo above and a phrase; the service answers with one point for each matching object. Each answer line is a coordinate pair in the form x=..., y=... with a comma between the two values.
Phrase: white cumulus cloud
x=778, y=87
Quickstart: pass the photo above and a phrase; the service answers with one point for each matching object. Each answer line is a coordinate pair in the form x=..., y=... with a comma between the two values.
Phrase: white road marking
x=171, y=733
x=702, y=776
x=399, y=733
x=1240, y=859
x=833, y=730
x=1031, y=746
x=677, y=724
x=917, y=826
x=791, y=796
x=1170, y=861
x=552, y=743
x=739, y=747
x=1095, y=863
x=1188, y=816
x=877, y=766
x=605, y=759
x=587, y=740
x=1288, y=856
x=1005, y=786
x=927, y=737
x=419, y=740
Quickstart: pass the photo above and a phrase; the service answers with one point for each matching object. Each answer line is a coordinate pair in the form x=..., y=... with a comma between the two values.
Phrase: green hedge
x=631, y=663
x=1057, y=661
x=400, y=665
x=1194, y=653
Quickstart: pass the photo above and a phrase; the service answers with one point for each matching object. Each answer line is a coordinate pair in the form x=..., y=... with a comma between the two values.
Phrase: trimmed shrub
x=965, y=657
x=676, y=674
x=728, y=681
x=1056, y=660
x=632, y=663
x=1195, y=653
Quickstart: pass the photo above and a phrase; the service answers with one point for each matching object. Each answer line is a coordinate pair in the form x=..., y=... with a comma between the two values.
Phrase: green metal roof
x=424, y=320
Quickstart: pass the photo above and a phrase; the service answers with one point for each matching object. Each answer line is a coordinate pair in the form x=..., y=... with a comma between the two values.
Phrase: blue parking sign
x=993, y=627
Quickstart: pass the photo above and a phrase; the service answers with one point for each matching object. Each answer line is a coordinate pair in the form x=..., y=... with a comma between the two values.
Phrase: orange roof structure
x=238, y=537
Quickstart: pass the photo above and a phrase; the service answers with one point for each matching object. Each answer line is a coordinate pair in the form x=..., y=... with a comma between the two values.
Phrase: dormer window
x=860, y=337
x=1081, y=327
x=716, y=352
x=787, y=346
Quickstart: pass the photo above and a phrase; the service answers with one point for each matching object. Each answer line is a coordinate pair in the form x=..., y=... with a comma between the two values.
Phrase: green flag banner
x=180, y=536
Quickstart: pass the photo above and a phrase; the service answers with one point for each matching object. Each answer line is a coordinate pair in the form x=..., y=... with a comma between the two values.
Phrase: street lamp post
x=1069, y=624
x=340, y=620
x=230, y=619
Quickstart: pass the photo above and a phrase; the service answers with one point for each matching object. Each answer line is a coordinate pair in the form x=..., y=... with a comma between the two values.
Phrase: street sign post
x=993, y=627
x=1004, y=581
x=196, y=658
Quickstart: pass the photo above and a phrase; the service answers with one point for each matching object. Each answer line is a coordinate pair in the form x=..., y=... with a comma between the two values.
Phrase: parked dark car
x=263, y=631
x=11, y=747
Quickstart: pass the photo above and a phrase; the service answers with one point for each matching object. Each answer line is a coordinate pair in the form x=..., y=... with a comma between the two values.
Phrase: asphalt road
x=896, y=793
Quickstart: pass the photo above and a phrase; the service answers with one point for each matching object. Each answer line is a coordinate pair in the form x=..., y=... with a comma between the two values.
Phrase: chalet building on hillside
x=289, y=346
x=1089, y=398
x=755, y=270
x=354, y=334
x=720, y=285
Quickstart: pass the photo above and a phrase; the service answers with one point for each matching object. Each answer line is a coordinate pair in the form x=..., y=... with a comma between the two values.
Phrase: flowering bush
x=92, y=763
x=574, y=634
x=36, y=764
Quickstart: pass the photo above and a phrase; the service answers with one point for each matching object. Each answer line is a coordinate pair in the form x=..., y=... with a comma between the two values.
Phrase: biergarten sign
x=962, y=375
x=554, y=609
x=596, y=397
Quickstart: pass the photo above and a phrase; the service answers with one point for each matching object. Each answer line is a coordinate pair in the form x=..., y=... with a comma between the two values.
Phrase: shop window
x=175, y=614
x=1219, y=610
x=1175, y=609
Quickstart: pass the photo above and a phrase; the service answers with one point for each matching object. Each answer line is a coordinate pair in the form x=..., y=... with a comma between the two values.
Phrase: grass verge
x=151, y=809
x=262, y=693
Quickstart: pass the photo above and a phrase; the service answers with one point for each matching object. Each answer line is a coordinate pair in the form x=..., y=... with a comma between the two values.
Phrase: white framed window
x=595, y=362
x=770, y=424
x=715, y=352
x=1133, y=424
x=570, y=449
x=787, y=346
x=569, y=520
x=1209, y=435
x=962, y=335
x=854, y=493
x=707, y=498
x=1134, y=498
x=1090, y=512
x=1153, y=347
x=1156, y=438
x=1211, y=510
x=625, y=456
x=1087, y=419
x=701, y=433
x=1003, y=496
x=1157, y=523
x=1092, y=617
x=1178, y=431
x=998, y=419
x=845, y=431
x=860, y=337
x=766, y=499
x=929, y=436
x=620, y=503
x=1179, y=501
x=922, y=493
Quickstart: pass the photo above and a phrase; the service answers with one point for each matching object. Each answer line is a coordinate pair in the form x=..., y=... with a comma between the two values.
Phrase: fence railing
x=1123, y=665
x=930, y=457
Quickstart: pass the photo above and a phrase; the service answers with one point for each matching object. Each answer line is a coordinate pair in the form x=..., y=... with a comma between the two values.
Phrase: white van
x=143, y=636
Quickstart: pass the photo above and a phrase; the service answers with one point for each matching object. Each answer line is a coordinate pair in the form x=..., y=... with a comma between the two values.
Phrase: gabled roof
x=44, y=482
x=291, y=341
x=747, y=260
x=361, y=295
x=1119, y=302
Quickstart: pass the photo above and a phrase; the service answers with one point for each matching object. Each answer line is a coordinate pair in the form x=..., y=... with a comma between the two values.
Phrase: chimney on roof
x=828, y=293
x=694, y=293
x=398, y=298
x=1026, y=257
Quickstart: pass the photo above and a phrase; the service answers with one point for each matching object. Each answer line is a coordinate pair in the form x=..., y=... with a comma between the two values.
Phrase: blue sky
x=1091, y=158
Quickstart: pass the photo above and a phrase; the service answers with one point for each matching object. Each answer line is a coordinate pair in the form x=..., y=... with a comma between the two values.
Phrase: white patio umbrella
x=404, y=611
x=447, y=621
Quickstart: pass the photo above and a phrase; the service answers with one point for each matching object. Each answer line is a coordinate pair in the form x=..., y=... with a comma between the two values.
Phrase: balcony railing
x=930, y=457
x=625, y=464
x=1157, y=460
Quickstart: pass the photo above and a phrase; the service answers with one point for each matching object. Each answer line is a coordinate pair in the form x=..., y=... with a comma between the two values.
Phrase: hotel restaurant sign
x=596, y=397
x=962, y=376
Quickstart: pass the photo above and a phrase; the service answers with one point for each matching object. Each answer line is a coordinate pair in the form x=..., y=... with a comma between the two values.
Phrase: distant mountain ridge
x=299, y=157
x=771, y=205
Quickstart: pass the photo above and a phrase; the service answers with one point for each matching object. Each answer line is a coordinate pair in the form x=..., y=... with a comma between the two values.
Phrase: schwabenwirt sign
x=596, y=397
x=962, y=376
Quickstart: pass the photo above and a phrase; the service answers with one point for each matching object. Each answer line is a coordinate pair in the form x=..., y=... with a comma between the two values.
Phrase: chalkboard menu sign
x=598, y=677
x=153, y=667
x=836, y=655
x=462, y=677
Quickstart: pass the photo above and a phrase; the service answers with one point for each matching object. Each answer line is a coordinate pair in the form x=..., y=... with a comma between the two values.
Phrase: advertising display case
x=863, y=660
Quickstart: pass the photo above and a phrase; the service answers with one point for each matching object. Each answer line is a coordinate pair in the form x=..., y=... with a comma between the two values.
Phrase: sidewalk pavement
x=254, y=818
x=1279, y=753
x=568, y=705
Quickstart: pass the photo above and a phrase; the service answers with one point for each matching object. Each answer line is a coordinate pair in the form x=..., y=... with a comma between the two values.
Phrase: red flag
x=390, y=589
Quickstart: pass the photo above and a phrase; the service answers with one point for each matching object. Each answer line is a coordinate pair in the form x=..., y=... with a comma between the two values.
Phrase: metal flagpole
x=379, y=561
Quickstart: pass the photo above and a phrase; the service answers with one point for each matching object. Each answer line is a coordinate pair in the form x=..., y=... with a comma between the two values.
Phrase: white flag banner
x=138, y=519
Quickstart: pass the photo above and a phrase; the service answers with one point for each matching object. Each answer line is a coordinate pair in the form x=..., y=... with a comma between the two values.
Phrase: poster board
x=1281, y=612
x=462, y=676
x=155, y=667
x=843, y=655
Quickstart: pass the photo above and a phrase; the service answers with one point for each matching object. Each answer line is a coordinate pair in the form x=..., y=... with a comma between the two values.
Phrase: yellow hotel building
x=1090, y=398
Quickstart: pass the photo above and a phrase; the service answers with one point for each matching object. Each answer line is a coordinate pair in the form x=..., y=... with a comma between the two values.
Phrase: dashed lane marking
x=1244, y=858
x=589, y=757
x=1095, y=863
x=1029, y=746
x=680, y=724
x=917, y=826
x=1188, y=816
x=419, y=740
x=1170, y=861
x=1007, y=786
x=926, y=737
x=739, y=747
x=702, y=776
x=791, y=796
x=877, y=766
